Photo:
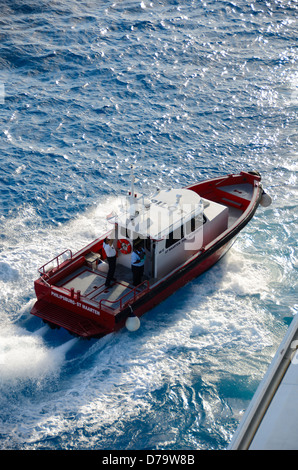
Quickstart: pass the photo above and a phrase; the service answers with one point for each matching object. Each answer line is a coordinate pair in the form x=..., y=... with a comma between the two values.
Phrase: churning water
x=184, y=90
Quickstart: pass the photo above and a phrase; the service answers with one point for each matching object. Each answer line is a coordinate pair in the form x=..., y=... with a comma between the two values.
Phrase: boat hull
x=167, y=287
x=68, y=309
x=87, y=324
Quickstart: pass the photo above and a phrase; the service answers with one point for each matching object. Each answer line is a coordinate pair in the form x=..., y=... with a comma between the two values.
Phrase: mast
x=132, y=194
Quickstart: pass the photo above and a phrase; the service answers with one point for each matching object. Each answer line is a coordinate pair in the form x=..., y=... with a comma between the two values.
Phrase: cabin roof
x=166, y=211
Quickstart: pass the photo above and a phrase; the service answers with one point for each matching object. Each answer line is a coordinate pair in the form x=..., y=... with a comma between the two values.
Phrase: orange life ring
x=124, y=246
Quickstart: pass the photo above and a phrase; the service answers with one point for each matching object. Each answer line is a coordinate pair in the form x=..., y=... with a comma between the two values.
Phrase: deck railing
x=130, y=296
x=104, y=304
x=55, y=262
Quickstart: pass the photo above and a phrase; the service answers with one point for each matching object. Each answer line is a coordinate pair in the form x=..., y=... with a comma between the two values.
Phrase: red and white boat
x=183, y=232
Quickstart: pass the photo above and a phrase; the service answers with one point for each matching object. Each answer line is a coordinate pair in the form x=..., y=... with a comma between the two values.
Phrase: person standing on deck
x=111, y=257
x=137, y=264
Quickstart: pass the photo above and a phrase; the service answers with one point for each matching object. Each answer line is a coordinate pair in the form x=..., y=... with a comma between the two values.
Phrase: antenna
x=132, y=195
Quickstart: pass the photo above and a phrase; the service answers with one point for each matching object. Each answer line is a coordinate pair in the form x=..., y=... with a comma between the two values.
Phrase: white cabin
x=172, y=226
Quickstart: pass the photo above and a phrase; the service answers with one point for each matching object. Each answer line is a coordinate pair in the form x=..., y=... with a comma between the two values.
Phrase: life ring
x=124, y=246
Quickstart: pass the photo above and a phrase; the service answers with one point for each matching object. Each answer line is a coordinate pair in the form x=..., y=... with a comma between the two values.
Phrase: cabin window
x=174, y=237
x=194, y=223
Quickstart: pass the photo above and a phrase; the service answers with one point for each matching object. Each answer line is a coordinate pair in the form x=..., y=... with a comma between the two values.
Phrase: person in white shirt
x=137, y=264
x=111, y=257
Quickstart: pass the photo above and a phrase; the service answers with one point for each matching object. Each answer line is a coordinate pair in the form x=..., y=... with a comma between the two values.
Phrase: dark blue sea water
x=184, y=90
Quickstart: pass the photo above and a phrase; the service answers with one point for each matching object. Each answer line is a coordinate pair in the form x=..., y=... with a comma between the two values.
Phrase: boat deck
x=91, y=283
x=244, y=190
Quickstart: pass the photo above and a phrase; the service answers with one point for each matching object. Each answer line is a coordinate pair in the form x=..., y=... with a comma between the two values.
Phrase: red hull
x=65, y=308
x=163, y=292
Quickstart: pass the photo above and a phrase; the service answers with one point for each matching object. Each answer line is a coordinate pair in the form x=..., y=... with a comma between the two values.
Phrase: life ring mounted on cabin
x=124, y=246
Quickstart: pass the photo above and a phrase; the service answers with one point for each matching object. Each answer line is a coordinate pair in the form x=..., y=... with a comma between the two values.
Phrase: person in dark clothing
x=137, y=264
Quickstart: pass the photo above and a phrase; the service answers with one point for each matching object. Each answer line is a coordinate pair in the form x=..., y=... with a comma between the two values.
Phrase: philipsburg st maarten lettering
x=75, y=302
